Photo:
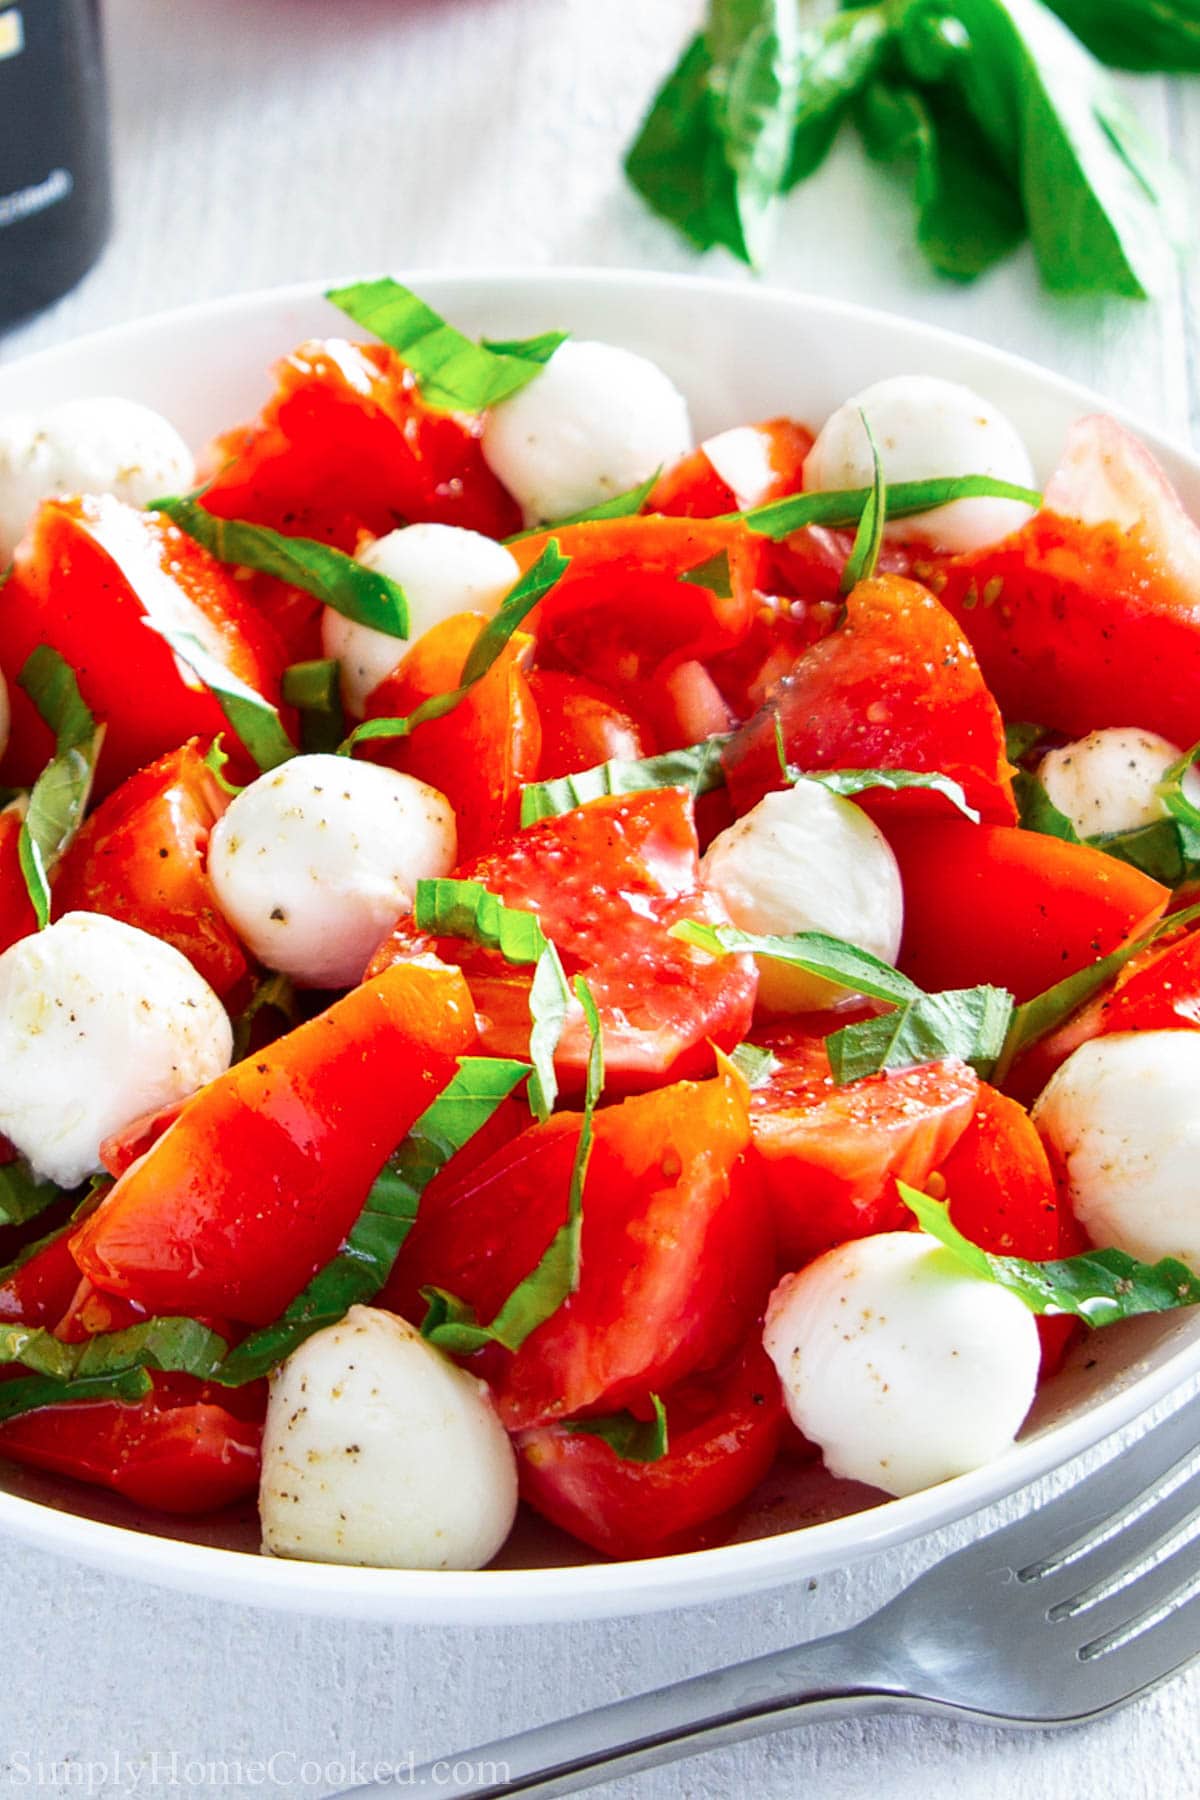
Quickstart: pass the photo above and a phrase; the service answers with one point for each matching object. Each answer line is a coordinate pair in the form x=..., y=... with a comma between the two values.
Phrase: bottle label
x=26, y=201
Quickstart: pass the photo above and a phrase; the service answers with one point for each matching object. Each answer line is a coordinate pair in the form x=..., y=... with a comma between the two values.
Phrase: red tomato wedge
x=255, y=1185
x=767, y=461
x=990, y=903
x=86, y=580
x=1090, y=614
x=582, y=724
x=187, y=1447
x=723, y=1433
x=17, y=917
x=832, y=1155
x=346, y=444
x=677, y=1252
x=38, y=1288
x=141, y=857
x=606, y=881
x=479, y=754
x=895, y=687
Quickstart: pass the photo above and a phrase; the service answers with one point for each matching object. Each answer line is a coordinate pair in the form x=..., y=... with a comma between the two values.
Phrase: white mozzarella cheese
x=1108, y=781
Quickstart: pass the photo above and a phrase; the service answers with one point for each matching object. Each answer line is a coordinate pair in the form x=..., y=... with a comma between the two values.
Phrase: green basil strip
x=451, y=1324
x=60, y=794
x=868, y=537
x=843, y=507
x=754, y=1064
x=31, y=1393
x=22, y=1197
x=696, y=768
x=633, y=1440
x=1020, y=738
x=1100, y=1286
x=334, y=578
x=621, y=506
x=274, y=991
x=849, y=782
x=453, y=374
x=1037, y=811
x=181, y=1345
x=715, y=575
x=969, y=1023
x=1036, y=1017
x=536, y=582
x=216, y=760
x=466, y=909
x=812, y=951
x=1150, y=35
x=364, y=1263
x=254, y=720
x=315, y=690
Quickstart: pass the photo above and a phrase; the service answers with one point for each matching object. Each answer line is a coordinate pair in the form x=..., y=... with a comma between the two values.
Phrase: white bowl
x=739, y=353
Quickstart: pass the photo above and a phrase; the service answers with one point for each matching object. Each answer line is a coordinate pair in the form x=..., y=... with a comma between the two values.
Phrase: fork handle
x=823, y=1679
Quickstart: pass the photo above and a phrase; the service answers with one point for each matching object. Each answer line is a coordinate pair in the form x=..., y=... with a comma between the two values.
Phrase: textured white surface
x=260, y=141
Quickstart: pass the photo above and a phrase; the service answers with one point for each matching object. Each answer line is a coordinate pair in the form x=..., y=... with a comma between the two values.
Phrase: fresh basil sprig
x=453, y=374
x=1100, y=1287
x=59, y=797
x=533, y=586
x=251, y=717
x=451, y=1324
x=315, y=690
x=632, y=1439
x=349, y=587
x=696, y=768
x=840, y=508
x=1137, y=34
x=868, y=536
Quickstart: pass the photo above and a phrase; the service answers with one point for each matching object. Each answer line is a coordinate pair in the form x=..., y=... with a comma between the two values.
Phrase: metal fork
x=1069, y=1613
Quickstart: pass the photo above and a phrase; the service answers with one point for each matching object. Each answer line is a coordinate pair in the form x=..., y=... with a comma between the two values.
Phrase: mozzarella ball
x=595, y=421
x=806, y=859
x=95, y=446
x=379, y=1450
x=1120, y=1118
x=315, y=861
x=900, y=1363
x=1108, y=780
x=924, y=427
x=443, y=570
x=99, y=1023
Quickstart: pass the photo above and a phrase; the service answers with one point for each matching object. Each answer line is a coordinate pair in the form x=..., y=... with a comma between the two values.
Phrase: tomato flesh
x=17, y=917
x=582, y=724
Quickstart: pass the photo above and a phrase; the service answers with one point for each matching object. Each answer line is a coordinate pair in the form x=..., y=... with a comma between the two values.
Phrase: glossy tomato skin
x=677, y=1252
x=724, y=1430
x=832, y=1155
x=187, y=1447
x=582, y=724
x=37, y=1288
x=896, y=686
x=238, y=1204
x=141, y=857
x=479, y=754
x=85, y=580
x=346, y=445
x=1081, y=626
x=692, y=488
x=606, y=882
x=17, y=917
x=992, y=903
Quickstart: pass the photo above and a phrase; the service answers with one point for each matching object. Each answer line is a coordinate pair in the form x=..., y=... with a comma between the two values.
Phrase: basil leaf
x=754, y=1064
x=715, y=575
x=633, y=1440
x=364, y=1263
x=1020, y=739
x=849, y=782
x=181, y=1345
x=466, y=909
x=31, y=1393
x=811, y=951
x=275, y=991
x=754, y=81
x=1100, y=1286
x=22, y=1197
x=254, y=720
x=969, y=1023
x=621, y=506
x=868, y=536
x=1180, y=805
x=453, y=374
x=451, y=1324
x=536, y=582
x=334, y=578
x=59, y=797
x=838, y=57
x=1038, y=812
x=315, y=690
x=677, y=161
x=1137, y=34
x=842, y=507
x=1101, y=205
x=216, y=761
x=696, y=768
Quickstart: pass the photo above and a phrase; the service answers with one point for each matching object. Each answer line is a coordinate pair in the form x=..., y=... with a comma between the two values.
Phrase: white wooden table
x=261, y=141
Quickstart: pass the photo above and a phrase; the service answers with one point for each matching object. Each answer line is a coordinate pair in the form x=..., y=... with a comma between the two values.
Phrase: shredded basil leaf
x=22, y=1197
x=364, y=1263
x=633, y=1439
x=30, y=1393
x=868, y=537
x=842, y=507
x=1100, y=1286
x=533, y=586
x=1020, y=739
x=182, y=1345
x=453, y=374
x=216, y=760
x=253, y=719
x=621, y=506
x=849, y=782
x=59, y=797
x=349, y=587
x=715, y=575
x=969, y=1023
x=754, y=1064
x=315, y=690
x=812, y=951
x=696, y=768
x=1137, y=34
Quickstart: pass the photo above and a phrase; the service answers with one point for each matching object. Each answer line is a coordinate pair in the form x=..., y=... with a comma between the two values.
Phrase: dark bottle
x=55, y=199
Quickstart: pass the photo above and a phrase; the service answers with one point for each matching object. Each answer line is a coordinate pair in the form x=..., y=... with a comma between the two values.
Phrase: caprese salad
x=543, y=959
